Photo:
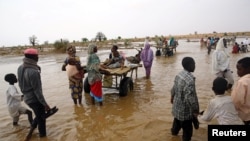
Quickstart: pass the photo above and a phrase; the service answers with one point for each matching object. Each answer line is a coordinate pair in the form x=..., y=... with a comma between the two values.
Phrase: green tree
x=85, y=40
x=105, y=39
x=61, y=45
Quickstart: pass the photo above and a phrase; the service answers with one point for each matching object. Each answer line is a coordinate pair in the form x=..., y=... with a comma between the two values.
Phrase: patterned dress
x=76, y=85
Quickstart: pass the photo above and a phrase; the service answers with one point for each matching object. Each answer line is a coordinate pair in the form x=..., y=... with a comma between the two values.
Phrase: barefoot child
x=14, y=99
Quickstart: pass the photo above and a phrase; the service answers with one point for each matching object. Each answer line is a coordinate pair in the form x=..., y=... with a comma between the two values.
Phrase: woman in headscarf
x=221, y=63
x=94, y=75
x=75, y=85
x=147, y=57
x=171, y=42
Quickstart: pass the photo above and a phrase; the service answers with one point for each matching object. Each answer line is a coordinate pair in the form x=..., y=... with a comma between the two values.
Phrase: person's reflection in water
x=149, y=85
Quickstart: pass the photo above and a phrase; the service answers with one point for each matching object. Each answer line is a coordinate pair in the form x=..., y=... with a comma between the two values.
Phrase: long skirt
x=76, y=88
x=96, y=91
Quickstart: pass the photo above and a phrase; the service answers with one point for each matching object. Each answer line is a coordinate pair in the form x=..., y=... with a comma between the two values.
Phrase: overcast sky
x=51, y=20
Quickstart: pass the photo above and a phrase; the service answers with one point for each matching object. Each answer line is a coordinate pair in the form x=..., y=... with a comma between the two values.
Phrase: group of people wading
x=211, y=42
x=165, y=47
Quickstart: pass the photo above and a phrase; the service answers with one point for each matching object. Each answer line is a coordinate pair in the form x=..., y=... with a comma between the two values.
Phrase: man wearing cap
x=29, y=80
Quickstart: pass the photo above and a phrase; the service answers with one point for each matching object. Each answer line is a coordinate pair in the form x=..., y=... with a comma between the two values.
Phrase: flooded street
x=143, y=115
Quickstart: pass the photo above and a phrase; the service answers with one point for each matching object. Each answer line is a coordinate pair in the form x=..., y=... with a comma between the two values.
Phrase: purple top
x=147, y=55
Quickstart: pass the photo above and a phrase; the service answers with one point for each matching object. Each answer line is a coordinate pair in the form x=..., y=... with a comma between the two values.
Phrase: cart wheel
x=86, y=86
x=126, y=85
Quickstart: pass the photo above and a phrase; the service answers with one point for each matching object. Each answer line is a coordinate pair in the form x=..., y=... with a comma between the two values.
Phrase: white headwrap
x=220, y=58
x=91, y=48
x=220, y=46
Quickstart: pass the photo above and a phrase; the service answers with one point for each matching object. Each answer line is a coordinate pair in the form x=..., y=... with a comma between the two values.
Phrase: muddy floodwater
x=143, y=115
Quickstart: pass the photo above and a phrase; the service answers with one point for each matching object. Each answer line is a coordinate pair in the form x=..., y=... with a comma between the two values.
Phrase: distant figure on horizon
x=246, y=43
x=173, y=43
x=202, y=42
x=236, y=48
x=209, y=45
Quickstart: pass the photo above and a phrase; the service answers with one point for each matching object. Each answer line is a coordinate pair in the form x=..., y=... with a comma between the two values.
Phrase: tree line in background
x=61, y=45
x=101, y=40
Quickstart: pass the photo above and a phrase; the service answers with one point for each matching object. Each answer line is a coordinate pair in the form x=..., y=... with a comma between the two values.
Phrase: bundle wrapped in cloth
x=71, y=70
x=74, y=69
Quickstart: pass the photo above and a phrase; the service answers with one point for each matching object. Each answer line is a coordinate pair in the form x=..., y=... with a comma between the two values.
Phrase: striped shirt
x=185, y=101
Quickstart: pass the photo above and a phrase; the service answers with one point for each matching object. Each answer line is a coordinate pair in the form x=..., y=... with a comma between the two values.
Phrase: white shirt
x=221, y=108
x=13, y=100
x=246, y=41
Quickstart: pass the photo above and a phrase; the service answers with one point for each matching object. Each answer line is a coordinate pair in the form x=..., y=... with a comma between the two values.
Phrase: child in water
x=221, y=106
x=14, y=99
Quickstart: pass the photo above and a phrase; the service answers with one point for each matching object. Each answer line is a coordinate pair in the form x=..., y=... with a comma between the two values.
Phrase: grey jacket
x=29, y=80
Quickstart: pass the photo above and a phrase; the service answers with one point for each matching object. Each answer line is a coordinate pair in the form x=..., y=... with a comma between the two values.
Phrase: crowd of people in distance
x=211, y=42
x=242, y=48
x=165, y=47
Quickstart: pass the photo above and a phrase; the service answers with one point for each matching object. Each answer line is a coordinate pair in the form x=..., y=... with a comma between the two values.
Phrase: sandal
x=51, y=112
